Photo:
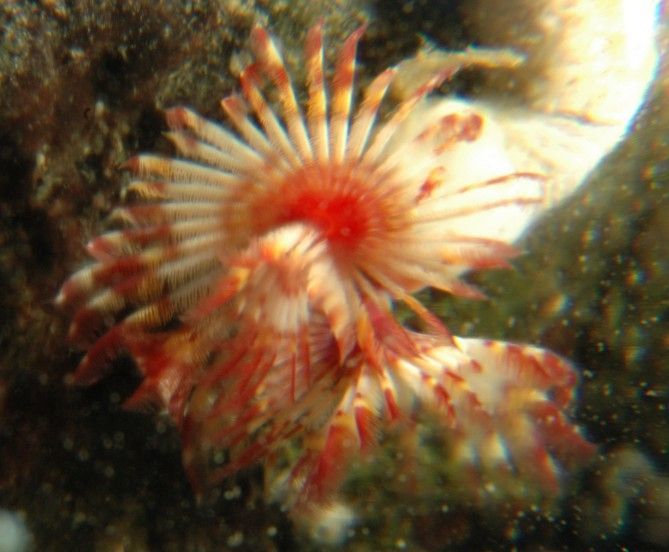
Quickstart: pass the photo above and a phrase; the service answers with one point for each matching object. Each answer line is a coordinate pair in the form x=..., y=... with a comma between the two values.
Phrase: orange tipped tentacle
x=342, y=94
x=268, y=55
x=132, y=241
x=75, y=288
x=525, y=187
x=559, y=435
x=317, y=105
x=304, y=355
x=119, y=243
x=236, y=110
x=366, y=407
x=268, y=120
x=442, y=399
x=224, y=290
x=156, y=313
x=366, y=423
x=97, y=276
x=95, y=363
x=249, y=375
x=366, y=114
x=169, y=367
x=390, y=395
x=178, y=170
x=170, y=274
x=329, y=464
x=374, y=153
x=143, y=215
x=444, y=211
x=224, y=367
x=181, y=118
x=210, y=156
x=476, y=253
x=387, y=332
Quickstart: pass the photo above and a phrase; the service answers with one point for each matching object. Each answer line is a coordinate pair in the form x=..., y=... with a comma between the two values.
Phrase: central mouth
x=340, y=205
x=341, y=217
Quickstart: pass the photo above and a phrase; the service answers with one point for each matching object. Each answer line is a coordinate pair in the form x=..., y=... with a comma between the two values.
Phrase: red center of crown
x=329, y=199
x=341, y=218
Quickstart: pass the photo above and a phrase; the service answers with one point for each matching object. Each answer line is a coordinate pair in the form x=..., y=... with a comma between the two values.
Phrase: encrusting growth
x=253, y=281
